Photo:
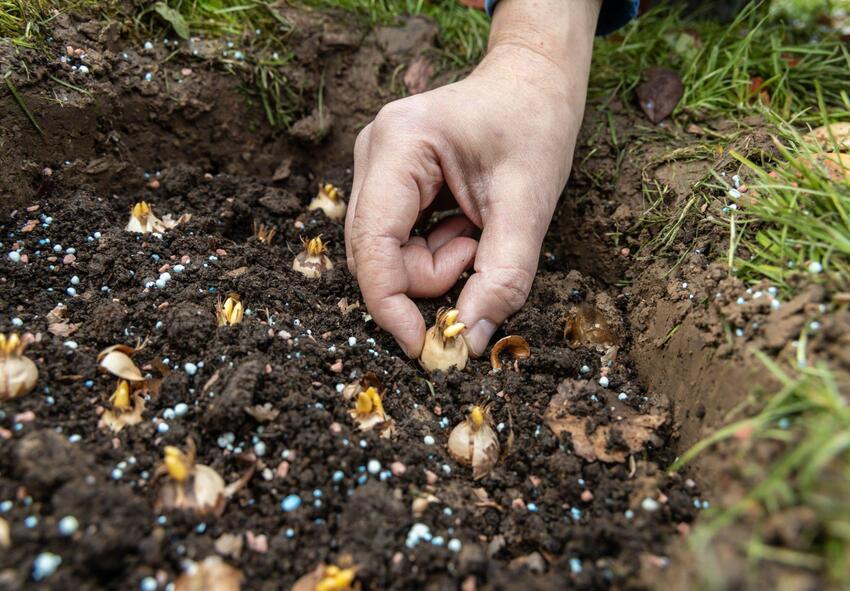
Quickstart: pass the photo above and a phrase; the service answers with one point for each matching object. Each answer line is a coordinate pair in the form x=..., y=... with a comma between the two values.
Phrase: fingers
x=432, y=274
x=361, y=151
x=401, y=177
x=505, y=264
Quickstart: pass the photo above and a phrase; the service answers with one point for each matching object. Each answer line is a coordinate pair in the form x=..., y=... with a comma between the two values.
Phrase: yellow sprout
x=141, y=209
x=177, y=463
x=18, y=373
x=11, y=346
x=368, y=411
x=331, y=191
x=476, y=415
x=315, y=247
x=336, y=579
x=120, y=399
x=369, y=401
x=230, y=312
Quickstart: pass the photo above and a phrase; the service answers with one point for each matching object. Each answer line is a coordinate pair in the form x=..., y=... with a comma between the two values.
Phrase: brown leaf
x=418, y=74
x=477, y=4
x=283, y=170
x=824, y=135
x=659, y=93
x=590, y=438
x=58, y=324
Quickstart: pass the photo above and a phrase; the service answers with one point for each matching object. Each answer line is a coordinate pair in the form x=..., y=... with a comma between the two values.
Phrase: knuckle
x=512, y=286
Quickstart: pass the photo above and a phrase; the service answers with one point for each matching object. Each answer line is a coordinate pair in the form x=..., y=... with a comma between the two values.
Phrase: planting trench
x=592, y=510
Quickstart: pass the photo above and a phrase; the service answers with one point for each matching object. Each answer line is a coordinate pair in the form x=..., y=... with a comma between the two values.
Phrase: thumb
x=506, y=262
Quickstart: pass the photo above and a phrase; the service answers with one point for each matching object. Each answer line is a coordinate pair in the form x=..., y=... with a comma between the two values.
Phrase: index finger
x=387, y=207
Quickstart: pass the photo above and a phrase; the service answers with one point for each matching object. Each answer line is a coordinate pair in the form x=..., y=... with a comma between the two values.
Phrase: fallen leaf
x=418, y=74
x=477, y=4
x=591, y=438
x=659, y=93
x=57, y=323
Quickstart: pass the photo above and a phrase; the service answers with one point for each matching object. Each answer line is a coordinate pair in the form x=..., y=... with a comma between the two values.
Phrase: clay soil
x=549, y=516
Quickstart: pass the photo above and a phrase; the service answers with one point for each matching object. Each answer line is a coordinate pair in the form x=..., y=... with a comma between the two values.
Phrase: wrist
x=555, y=36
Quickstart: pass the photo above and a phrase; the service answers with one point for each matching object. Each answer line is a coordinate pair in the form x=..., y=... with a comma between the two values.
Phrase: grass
x=25, y=22
x=791, y=226
x=807, y=424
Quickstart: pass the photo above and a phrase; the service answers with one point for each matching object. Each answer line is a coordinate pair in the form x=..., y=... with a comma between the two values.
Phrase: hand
x=500, y=144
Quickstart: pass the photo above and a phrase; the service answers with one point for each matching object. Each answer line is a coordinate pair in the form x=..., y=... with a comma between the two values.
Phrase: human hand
x=500, y=143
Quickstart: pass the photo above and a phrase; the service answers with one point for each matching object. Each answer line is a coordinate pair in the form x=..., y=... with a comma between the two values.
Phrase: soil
x=546, y=517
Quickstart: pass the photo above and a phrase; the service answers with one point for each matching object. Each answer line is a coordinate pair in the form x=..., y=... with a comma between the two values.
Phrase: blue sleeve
x=614, y=14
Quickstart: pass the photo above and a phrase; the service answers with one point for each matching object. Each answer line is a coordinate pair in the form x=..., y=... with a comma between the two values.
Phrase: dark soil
x=549, y=520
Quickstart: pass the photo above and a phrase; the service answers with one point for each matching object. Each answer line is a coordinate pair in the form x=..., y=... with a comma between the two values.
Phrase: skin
x=498, y=145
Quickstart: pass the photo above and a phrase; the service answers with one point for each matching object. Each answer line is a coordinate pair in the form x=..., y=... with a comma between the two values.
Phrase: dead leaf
x=283, y=170
x=837, y=165
x=591, y=439
x=213, y=574
x=58, y=324
x=823, y=136
x=264, y=413
x=477, y=4
x=659, y=93
x=418, y=74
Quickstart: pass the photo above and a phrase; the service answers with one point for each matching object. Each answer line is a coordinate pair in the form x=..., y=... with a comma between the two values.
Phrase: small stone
x=603, y=381
x=68, y=526
x=374, y=466
x=14, y=256
x=398, y=468
x=649, y=504
x=17, y=322
x=190, y=368
x=180, y=409
x=44, y=565
x=586, y=496
x=428, y=440
x=148, y=584
x=290, y=503
x=259, y=449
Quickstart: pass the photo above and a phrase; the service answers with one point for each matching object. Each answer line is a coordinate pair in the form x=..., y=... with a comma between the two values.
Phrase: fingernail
x=479, y=335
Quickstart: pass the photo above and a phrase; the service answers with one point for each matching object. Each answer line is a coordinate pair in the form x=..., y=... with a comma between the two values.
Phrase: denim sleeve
x=614, y=14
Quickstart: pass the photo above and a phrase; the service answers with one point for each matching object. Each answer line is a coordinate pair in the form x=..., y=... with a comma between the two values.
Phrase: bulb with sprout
x=189, y=486
x=329, y=200
x=143, y=220
x=194, y=487
x=473, y=442
x=18, y=373
x=230, y=312
x=445, y=346
x=312, y=261
x=127, y=407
